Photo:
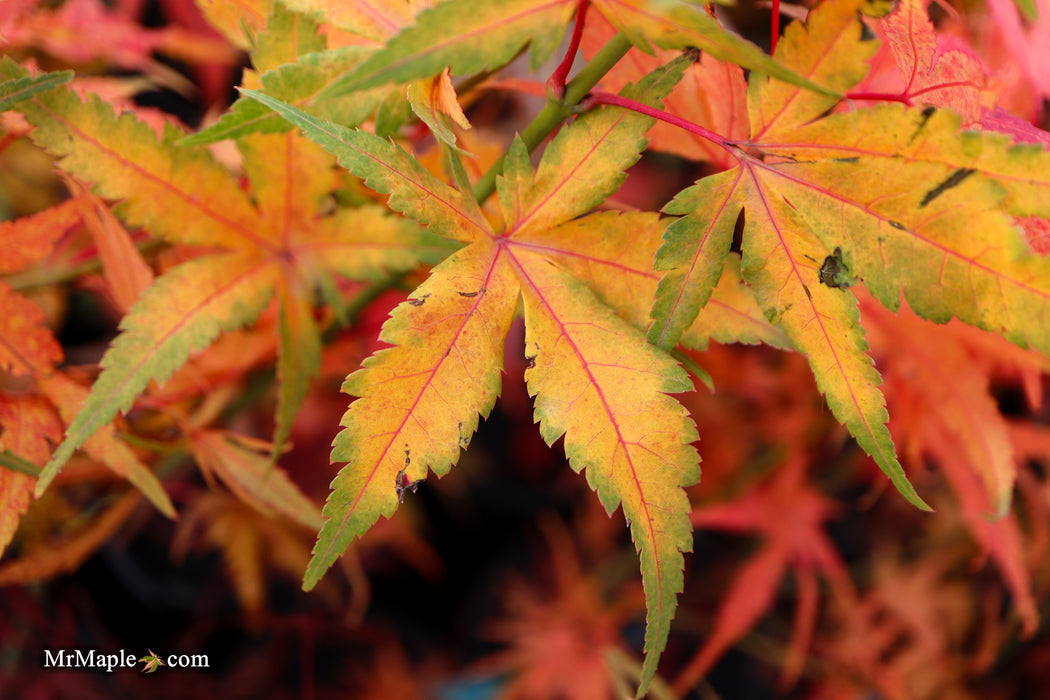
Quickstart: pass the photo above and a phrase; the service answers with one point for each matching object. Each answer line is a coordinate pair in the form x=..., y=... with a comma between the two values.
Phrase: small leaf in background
x=18, y=89
x=29, y=426
x=935, y=73
x=29, y=239
x=66, y=554
x=26, y=344
x=938, y=388
x=434, y=101
x=789, y=515
x=464, y=36
x=678, y=24
x=184, y=310
x=371, y=22
x=249, y=474
x=126, y=273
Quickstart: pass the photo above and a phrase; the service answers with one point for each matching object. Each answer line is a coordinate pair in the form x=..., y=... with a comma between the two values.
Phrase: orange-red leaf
x=26, y=344
x=28, y=427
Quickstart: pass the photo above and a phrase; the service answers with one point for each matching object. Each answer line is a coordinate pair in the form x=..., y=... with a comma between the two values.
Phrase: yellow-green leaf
x=782, y=261
x=693, y=254
x=124, y=159
x=419, y=400
x=182, y=312
x=465, y=36
x=386, y=167
x=600, y=384
x=680, y=24
x=583, y=165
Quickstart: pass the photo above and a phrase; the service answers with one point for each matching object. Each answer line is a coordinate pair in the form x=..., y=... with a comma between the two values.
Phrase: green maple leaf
x=152, y=662
x=15, y=90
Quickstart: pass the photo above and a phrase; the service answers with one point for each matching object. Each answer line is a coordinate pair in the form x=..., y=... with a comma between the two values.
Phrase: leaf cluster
x=867, y=204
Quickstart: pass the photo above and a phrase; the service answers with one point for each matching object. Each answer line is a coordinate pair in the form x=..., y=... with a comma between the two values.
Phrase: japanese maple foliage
x=856, y=280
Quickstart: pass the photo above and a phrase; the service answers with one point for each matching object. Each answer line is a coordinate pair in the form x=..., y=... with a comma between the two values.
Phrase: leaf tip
x=314, y=571
x=905, y=488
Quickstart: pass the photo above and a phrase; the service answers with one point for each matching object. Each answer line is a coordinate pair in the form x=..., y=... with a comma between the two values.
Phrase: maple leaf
x=279, y=246
x=789, y=515
x=28, y=349
x=944, y=410
x=559, y=640
x=29, y=239
x=293, y=61
x=152, y=662
x=597, y=382
x=922, y=67
x=466, y=37
x=463, y=36
x=896, y=199
x=680, y=24
x=250, y=541
x=28, y=425
x=59, y=556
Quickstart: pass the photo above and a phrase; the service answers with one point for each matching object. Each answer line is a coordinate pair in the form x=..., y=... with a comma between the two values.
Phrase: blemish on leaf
x=805, y=289
x=953, y=180
x=531, y=360
x=926, y=114
x=401, y=482
x=865, y=31
x=420, y=301
x=851, y=159
x=898, y=225
x=693, y=54
x=471, y=294
x=835, y=273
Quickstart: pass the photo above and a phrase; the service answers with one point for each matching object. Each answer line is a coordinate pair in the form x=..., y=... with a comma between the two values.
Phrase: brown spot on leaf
x=953, y=180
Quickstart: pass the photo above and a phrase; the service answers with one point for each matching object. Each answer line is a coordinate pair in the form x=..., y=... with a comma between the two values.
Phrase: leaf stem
x=774, y=28
x=556, y=111
x=878, y=97
x=556, y=83
x=607, y=98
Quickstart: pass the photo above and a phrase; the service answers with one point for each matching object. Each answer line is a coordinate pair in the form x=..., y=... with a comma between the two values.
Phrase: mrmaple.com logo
x=79, y=658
